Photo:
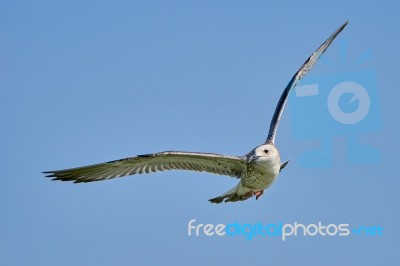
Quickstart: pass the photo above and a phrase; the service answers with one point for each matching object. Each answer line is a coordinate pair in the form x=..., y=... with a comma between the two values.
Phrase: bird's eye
x=266, y=151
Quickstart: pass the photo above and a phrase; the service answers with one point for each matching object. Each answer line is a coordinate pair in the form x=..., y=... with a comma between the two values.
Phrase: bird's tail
x=232, y=195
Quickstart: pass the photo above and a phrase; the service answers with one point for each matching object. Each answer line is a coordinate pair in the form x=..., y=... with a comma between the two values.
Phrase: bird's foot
x=258, y=193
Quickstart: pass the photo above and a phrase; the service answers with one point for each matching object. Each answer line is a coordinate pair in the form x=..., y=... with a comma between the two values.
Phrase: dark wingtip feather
x=49, y=174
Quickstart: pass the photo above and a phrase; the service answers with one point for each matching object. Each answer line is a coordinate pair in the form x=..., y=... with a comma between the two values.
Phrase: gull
x=256, y=170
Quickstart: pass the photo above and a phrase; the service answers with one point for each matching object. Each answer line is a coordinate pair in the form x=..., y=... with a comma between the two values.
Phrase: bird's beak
x=253, y=158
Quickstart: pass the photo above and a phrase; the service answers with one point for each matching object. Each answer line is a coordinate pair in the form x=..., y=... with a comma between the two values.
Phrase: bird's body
x=262, y=166
x=256, y=170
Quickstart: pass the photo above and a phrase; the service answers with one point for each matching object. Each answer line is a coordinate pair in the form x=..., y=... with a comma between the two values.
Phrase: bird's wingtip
x=49, y=174
x=343, y=25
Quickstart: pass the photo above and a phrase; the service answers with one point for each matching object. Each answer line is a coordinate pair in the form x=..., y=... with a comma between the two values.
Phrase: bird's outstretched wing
x=169, y=160
x=304, y=69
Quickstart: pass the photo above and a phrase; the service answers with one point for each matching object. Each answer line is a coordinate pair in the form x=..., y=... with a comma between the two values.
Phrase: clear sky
x=84, y=82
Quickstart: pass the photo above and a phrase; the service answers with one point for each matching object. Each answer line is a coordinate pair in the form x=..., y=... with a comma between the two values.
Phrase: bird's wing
x=304, y=69
x=169, y=160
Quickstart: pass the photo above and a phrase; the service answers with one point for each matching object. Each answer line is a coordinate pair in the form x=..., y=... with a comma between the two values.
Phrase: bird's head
x=267, y=153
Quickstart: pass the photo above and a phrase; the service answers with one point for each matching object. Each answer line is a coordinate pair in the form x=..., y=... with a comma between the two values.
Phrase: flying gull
x=256, y=170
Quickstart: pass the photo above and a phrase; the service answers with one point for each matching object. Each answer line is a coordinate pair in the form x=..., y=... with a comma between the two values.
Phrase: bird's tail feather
x=233, y=195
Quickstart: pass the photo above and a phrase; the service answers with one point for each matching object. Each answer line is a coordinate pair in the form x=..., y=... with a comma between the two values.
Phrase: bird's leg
x=258, y=193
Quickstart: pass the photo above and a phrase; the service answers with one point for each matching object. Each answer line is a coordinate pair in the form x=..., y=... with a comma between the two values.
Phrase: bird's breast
x=259, y=175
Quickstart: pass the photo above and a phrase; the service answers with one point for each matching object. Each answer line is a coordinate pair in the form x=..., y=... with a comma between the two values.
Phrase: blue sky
x=84, y=82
